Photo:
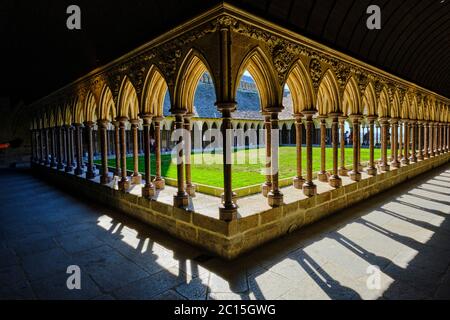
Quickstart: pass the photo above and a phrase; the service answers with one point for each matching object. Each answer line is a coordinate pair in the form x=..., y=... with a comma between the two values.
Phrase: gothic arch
x=107, y=108
x=90, y=108
x=328, y=95
x=300, y=85
x=128, y=105
x=258, y=65
x=155, y=88
x=397, y=109
x=369, y=100
x=383, y=103
x=351, y=99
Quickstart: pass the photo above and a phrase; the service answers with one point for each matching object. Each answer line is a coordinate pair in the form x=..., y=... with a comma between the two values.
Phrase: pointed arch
x=258, y=65
x=383, y=103
x=128, y=105
x=192, y=69
x=91, y=110
x=107, y=107
x=78, y=111
x=155, y=89
x=397, y=108
x=411, y=105
x=328, y=95
x=369, y=100
x=68, y=114
x=300, y=85
x=351, y=102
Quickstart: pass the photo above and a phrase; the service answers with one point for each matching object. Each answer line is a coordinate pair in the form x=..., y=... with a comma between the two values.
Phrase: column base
x=124, y=184
x=148, y=191
x=60, y=166
x=413, y=160
x=181, y=200
x=190, y=189
x=309, y=189
x=52, y=164
x=228, y=213
x=136, y=179
x=385, y=167
x=90, y=175
x=159, y=183
x=322, y=176
x=105, y=179
x=275, y=199
x=395, y=164
x=360, y=168
x=371, y=171
x=68, y=169
x=405, y=161
x=233, y=198
x=78, y=171
x=265, y=188
x=335, y=181
x=420, y=157
x=355, y=176
x=343, y=172
x=298, y=182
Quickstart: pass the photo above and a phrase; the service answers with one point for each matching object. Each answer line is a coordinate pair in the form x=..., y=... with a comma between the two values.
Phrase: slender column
x=447, y=149
x=442, y=138
x=228, y=208
x=355, y=175
x=309, y=188
x=64, y=145
x=52, y=147
x=371, y=169
x=90, y=174
x=394, y=125
x=190, y=187
x=431, y=138
x=420, y=147
x=78, y=149
x=69, y=150
x=322, y=175
x=159, y=182
x=124, y=183
x=36, y=145
x=439, y=138
x=384, y=165
x=405, y=159
x=60, y=142
x=33, y=145
x=117, y=148
x=136, y=178
x=268, y=137
x=400, y=141
x=413, y=125
x=103, y=131
x=426, y=151
x=181, y=198
x=298, y=180
x=41, y=147
x=335, y=181
x=148, y=190
x=342, y=169
x=275, y=197
x=46, y=149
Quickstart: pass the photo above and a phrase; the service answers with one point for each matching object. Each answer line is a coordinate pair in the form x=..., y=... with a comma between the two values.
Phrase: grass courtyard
x=247, y=170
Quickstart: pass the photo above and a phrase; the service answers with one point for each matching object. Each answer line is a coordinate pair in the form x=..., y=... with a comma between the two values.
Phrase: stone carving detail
x=282, y=60
x=315, y=70
x=342, y=71
x=363, y=80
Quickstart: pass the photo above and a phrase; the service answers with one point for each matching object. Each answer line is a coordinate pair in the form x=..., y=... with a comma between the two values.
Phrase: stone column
x=69, y=149
x=420, y=137
x=342, y=169
x=60, y=164
x=442, y=138
x=400, y=141
x=136, y=178
x=394, y=125
x=384, y=165
x=53, y=148
x=228, y=209
x=33, y=145
x=426, y=152
x=275, y=197
x=159, y=182
x=371, y=169
x=148, y=190
x=117, y=148
x=78, y=149
x=335, y=181
x=405, y=159
x=447, y=144
x=46, y=148
x=124, y=183
x=298, y=180
x=309, y=188
x=268, y=137
x=431, y=140
x=413, y=125
x=181, y=198
x=190, y=187
x=90, y=174
x=322, y=175
x=355, y=175
x=103, y=131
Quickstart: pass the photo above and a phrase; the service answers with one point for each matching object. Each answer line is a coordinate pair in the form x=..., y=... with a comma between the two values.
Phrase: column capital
x=336, y=115
x=134, y=122
x=158, y=119
x=224, y=106
x=372, y=118
x=103, y=123
x=188, y=116
x=274, y=109
x=89, y=124
x=309, y=114
x=322, y=118
x=384, y=121
x=76, y=125
x=357, y=117
x=298, y=117
x=145, y=116
x=177, y=111
x=122, y=119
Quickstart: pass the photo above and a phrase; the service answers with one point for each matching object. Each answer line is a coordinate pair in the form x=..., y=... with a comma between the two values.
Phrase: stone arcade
x=327, y=87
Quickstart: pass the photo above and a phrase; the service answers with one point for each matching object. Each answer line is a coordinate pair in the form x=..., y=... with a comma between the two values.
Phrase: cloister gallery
x=117, y=111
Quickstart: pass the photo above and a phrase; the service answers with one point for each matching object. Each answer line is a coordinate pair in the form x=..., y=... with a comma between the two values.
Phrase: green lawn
x=245, y=173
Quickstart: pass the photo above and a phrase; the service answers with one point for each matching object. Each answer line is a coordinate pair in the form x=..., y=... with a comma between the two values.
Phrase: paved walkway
x=404, y=232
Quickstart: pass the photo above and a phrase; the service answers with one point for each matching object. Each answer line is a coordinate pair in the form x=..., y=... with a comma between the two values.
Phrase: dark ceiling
x=42, y=54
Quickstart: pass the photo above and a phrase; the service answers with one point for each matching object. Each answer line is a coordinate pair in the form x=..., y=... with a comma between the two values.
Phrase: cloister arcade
x=117, y=110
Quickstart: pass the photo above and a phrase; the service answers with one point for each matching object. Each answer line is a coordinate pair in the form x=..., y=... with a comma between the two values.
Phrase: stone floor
x=404, y=232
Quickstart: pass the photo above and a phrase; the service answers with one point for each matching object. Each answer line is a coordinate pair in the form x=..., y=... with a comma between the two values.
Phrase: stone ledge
x=231, y=239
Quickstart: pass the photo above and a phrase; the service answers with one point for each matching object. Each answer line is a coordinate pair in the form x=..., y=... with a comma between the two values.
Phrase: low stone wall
x=231, y=239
